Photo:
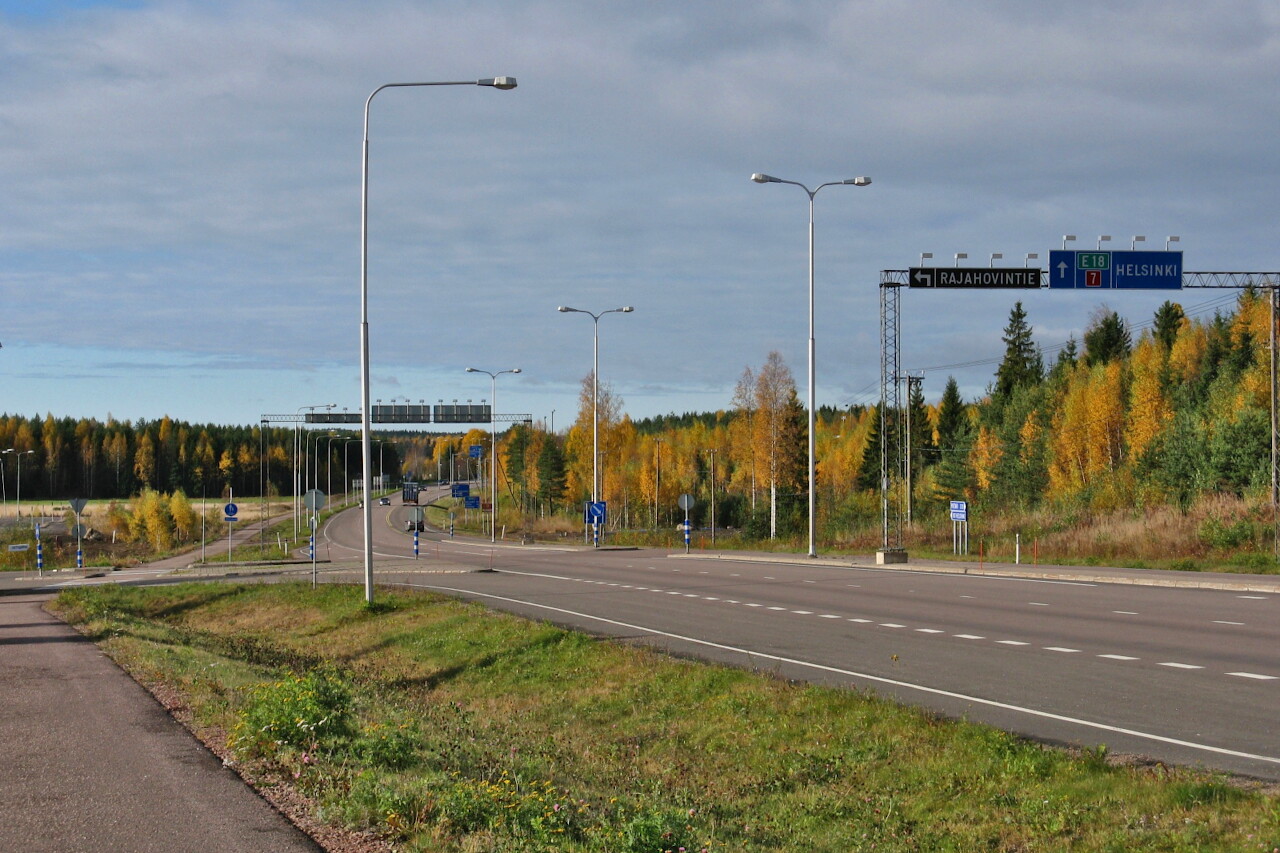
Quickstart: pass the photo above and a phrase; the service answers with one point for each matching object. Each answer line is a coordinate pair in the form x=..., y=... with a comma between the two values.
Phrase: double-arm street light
x=595, y=387
x=18, y=454
x=493, y=446
x=366, y=426
x=761, y=178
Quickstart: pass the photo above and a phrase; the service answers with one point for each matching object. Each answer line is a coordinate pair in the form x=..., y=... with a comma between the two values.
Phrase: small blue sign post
x=959, y=527
x=597, y=513
x=1085, y=270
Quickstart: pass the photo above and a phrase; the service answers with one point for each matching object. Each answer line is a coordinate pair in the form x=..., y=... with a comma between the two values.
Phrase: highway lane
x=1182, y=676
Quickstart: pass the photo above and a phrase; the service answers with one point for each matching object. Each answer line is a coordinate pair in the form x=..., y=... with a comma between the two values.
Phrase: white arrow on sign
x=1062, y=269
x=925, y=278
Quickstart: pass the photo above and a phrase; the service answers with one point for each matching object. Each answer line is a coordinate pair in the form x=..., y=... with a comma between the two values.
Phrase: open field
x=442, y=726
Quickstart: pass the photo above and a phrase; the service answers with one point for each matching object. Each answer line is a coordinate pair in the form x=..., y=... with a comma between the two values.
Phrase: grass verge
x=442, y=726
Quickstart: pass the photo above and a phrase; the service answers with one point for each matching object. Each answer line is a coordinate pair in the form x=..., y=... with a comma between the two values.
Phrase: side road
x=90, y=761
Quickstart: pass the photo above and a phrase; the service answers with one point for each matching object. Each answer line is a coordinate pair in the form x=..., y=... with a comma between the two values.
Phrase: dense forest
x=1166, y=414
x=1163, y=414
x=64, y=458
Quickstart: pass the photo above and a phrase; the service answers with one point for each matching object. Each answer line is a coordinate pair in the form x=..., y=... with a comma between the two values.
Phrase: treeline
x=1113, y=421
x=1181, y=412
x=62, y=458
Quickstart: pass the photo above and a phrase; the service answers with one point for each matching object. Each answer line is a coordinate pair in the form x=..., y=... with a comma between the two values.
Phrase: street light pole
x=18, y=454
x=595, y=397
x=862, y=181
x=712, y=451
x=365, y=419
x=297, y=443
x=493, y=446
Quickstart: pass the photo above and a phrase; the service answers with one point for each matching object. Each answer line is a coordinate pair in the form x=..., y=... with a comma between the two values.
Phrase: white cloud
x=184, y=178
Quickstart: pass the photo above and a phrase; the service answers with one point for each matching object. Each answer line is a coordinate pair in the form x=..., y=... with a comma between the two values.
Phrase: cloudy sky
x=180, y=226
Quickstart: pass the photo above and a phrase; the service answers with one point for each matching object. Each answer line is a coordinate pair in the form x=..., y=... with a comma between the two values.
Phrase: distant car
x=384, y=501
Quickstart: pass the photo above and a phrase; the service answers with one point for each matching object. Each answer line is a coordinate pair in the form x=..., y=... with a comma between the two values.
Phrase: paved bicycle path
x=89, y=761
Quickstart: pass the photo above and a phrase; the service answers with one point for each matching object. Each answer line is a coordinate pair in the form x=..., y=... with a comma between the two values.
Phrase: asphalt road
x=1184, y=676
x=89, y=761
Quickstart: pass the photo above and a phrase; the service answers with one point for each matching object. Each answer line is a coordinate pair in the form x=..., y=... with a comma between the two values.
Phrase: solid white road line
x=1034, y=712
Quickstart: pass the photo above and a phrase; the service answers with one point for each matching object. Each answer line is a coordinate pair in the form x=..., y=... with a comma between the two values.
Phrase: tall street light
x=297, y=445
x=493, y=446
x=366, y=426
x=760, y=178
x=18, y=454
x=595, y=387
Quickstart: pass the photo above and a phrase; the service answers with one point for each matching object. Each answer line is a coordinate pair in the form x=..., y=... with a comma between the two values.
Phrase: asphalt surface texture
x=90, y=761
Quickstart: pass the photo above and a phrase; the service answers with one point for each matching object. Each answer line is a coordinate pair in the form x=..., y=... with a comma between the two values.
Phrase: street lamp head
x=498, y=82
x=516, y=370
x=762, y=178
x=472, y=370
x=860, y=181
x=626, y=310
x=564, y=308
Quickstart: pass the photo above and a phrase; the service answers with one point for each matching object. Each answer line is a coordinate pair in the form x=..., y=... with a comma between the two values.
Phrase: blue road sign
x=471, y=503
x=231, y=509
x=460, y=490
x=959, y=511
x=597, y=512
x=476, y=451
x=1078, y=268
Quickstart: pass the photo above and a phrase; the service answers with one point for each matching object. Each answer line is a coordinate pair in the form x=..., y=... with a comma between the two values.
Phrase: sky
x=181, y=184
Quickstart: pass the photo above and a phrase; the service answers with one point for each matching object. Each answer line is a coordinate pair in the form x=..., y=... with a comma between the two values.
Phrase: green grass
x=447, y=727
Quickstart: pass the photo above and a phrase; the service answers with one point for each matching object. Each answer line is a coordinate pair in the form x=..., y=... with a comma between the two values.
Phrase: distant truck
x=410, y=493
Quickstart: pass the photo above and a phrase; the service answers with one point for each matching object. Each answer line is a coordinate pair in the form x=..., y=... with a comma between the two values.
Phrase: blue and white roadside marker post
x=686, y=503
x=39, y=553
x=314, y=501
x=415, y=542
x=450, y=524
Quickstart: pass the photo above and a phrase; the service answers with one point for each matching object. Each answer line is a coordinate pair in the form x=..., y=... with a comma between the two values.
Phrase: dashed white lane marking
x=1061, y=649
x=966, y=596
x=1253, y=597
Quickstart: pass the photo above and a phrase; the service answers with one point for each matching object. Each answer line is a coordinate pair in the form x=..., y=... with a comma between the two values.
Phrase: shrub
x=311, y=711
